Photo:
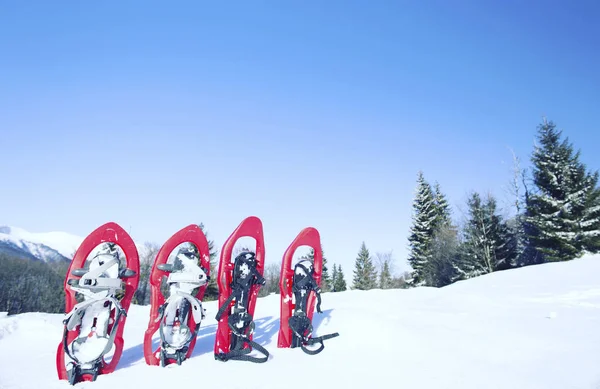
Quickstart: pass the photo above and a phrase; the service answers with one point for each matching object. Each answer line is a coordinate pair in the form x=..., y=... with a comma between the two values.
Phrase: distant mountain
x=45, y=247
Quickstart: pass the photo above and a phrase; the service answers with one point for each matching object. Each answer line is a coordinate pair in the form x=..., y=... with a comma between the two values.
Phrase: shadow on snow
x=265, y=333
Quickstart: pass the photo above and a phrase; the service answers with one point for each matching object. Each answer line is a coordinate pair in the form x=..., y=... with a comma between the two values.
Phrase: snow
x=63, y=242
x=66, y=244
x=534, y=328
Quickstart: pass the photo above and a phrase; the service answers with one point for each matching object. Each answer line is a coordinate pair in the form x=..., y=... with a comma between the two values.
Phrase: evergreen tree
x=564, y=213
x=424, y=218
x=439, y=269
x=443, y=214
x=486, y=246
x=340, y=284
x=28, y=285
x=365, y=275
x=444, y=253
x=385, y=277
x=334, y=278
x=212, y=290
x=590, y=223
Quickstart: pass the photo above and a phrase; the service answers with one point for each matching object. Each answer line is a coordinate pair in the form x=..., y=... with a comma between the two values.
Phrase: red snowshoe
x=303, y=282
x=95, y=323
x=184, y=260
x=239, y=282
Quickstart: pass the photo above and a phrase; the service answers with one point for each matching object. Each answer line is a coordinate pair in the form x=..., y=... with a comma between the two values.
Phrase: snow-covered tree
x=485, y=248
x=442, y=208
x=444, y=253
x=365, y=274
x=424, y=219
x=564, y=212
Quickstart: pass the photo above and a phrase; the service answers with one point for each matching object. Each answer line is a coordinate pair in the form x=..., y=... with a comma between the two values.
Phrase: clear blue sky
x=304, y=113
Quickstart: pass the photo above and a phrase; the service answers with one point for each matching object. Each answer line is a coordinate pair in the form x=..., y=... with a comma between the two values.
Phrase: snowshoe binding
x=239, y=283
x=94, y=326
x=178, y=317
x=296, y=317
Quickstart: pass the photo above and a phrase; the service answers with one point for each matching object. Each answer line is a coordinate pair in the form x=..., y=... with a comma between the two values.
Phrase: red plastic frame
x=307, y=237
x=249, y=227
x=193, y=234
x=109, y=232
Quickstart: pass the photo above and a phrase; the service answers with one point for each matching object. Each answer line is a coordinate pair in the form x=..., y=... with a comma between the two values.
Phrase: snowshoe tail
x=239, y=282
x=181, y=313
x=295, y=327
x=95, y=326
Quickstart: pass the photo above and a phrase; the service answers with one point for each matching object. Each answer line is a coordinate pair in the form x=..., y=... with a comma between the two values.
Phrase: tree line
x=556, y=218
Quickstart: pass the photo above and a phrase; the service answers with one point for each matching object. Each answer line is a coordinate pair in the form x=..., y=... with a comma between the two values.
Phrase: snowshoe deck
x=303, y=282
x=178, y=317
x=93, y=326
x=239, y=282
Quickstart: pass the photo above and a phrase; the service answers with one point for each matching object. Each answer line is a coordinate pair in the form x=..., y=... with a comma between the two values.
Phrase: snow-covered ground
x=530, y=328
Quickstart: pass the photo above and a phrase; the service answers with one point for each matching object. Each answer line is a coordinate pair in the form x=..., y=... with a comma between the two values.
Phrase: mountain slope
x=43, y=246
x=533, y=328
x=46, y=247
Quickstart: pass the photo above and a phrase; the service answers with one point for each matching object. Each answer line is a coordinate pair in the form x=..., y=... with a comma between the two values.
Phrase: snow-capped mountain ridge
x=46, y=247
x=52, y=246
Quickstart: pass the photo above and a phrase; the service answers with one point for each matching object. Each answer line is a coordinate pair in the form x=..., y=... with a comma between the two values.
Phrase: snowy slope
x=530, y=328
x=46, y=246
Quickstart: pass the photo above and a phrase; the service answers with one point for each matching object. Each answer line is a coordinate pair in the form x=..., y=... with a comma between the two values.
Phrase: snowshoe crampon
x=239, y=282
x=303, y=282
x=184, y=260
x=94, y=325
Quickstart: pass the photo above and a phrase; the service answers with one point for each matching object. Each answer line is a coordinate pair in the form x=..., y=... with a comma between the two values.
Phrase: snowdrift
x=529, y=328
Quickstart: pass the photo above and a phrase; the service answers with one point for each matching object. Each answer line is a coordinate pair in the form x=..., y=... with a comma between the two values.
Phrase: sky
x=156, y=115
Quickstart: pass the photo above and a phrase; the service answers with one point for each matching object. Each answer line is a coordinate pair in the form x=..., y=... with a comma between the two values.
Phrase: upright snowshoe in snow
x=178, y=318
x=95, y=325
x=295, y=328
x=239, y=282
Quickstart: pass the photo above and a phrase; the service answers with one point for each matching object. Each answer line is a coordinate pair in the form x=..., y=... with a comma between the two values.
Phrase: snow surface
x=529, y=328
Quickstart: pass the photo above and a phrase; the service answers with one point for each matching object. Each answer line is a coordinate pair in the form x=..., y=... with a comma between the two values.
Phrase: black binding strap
x=240, y=321
x=299, y=323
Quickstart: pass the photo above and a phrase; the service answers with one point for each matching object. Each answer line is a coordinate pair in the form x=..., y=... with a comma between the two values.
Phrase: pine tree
x=439, y=269
x=443, y=214
x=590, y=223
x=564, y=213
x=385, y=277
x=340, y=282
x=334, y=277
x=424, y=218
x=486, y=246
x=212, y=290
x=365, y=275
x=444, y=254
